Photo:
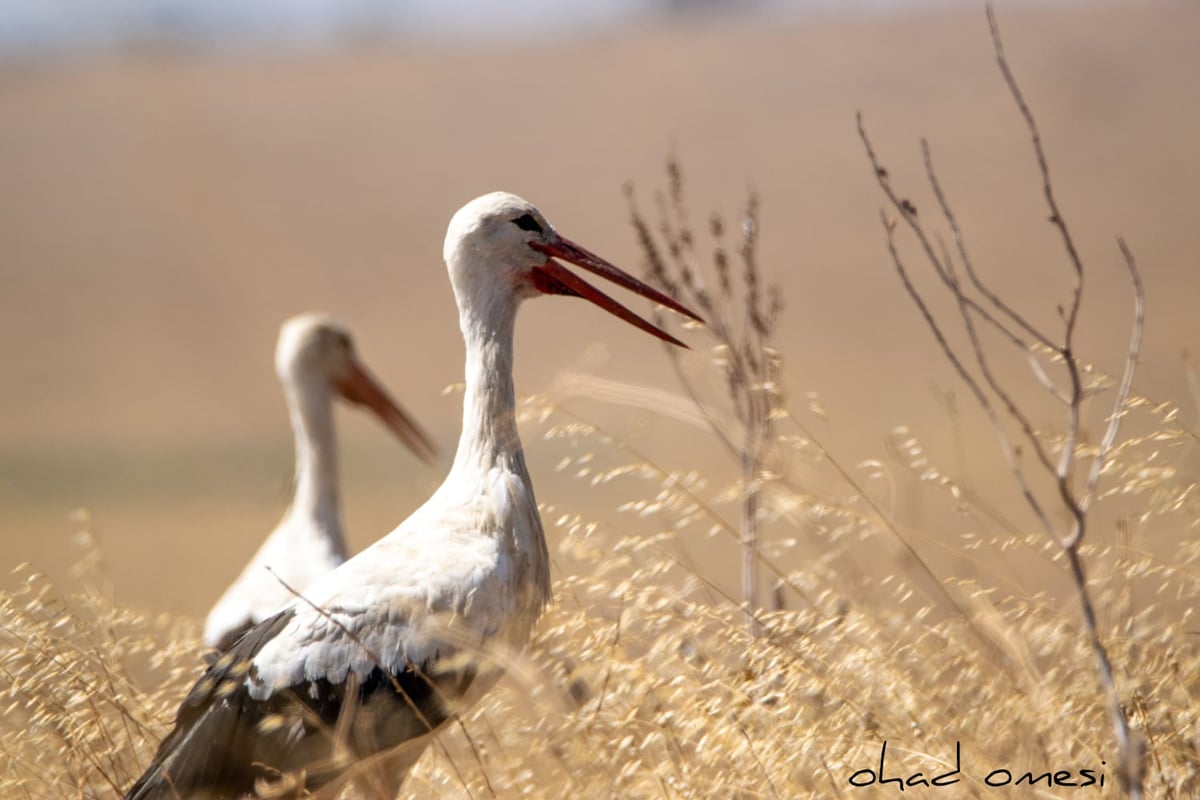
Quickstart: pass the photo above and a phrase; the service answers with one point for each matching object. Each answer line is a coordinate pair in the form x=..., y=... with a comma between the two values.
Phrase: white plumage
x=379, y=652
x=315, y=360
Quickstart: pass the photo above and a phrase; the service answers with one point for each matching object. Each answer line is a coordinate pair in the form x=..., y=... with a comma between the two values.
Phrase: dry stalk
x=742, y=314
x=977, y=304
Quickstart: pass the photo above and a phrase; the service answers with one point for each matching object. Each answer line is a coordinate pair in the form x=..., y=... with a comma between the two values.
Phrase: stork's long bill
x=358, y=386
x=554, y=278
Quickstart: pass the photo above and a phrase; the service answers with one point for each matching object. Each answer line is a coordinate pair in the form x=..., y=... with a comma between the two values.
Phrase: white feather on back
x=455, y=580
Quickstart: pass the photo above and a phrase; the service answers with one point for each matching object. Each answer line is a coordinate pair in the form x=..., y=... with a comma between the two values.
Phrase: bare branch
x=1039, y=372
x=1131, y=747
x=1126, y=385
x=991, y=296
x=1056, y=217
x=908, y=213
x=985, y=369
x=1006, y=445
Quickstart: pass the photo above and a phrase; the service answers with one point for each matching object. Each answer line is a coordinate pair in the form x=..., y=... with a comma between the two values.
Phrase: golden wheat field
x=164, y=210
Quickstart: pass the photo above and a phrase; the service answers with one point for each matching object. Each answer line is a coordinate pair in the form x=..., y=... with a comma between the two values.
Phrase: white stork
x=314, y=360
x=379, y=653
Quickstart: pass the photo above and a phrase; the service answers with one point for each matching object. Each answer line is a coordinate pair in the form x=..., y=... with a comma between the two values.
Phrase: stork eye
x=526, y=222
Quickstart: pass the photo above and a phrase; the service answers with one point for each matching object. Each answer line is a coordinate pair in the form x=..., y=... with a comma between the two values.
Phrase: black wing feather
x=198, y=756
x=223, y=741
x=231, y=636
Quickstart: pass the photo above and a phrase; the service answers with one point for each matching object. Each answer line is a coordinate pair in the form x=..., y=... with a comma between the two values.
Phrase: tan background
x=162, y=212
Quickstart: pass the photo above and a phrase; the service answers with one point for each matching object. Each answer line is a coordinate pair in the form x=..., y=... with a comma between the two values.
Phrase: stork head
x=499, y=246
x=314, y=353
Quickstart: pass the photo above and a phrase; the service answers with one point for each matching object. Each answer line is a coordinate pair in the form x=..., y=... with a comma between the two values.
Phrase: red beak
x=554, y=278
x=357, y=386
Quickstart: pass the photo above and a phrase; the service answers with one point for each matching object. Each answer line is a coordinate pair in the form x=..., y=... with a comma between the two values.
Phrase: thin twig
x=1056, y=217
x=1006, y=446
x=908, y=213
x=1126, y=386
x=960, y=243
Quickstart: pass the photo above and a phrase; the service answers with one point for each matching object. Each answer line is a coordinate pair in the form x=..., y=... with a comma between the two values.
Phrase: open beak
x=359, y=387
x=554, y=278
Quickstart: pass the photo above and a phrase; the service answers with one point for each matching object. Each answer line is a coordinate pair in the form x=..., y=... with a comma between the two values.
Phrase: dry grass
x=78, y=716
x=643, y=680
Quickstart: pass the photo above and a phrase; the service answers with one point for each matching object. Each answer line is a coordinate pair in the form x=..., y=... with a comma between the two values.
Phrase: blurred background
x=181, y=175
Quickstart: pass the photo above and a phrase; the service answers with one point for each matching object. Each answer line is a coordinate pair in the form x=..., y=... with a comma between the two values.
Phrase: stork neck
x=316, y=488
x=489, y=431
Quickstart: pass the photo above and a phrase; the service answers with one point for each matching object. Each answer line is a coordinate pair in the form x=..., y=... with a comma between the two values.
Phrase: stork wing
x=211, y=726
x=363, y=663
x=249, y=720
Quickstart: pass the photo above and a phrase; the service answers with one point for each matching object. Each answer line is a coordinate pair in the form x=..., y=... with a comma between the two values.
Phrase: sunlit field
x=915, y=616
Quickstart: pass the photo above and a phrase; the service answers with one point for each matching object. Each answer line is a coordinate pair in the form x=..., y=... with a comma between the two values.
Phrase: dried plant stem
x=710, y=513
x=998, y=401
x=741, y=319
x=750, y=471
